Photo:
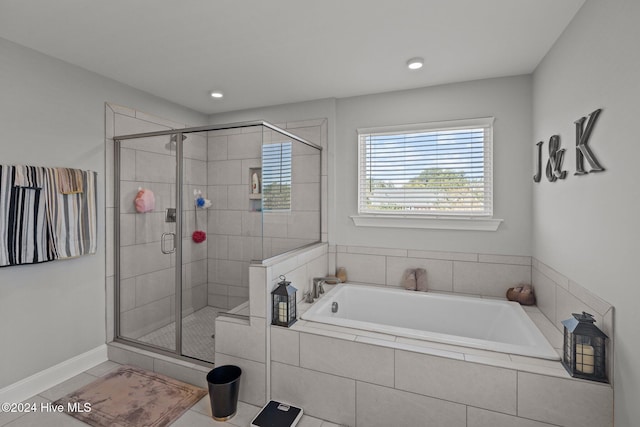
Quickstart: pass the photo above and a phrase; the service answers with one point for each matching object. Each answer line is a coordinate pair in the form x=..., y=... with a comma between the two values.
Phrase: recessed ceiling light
x=415, y=63
x=216, y=94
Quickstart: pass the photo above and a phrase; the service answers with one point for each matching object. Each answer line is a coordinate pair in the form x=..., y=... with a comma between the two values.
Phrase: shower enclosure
x=195, y=207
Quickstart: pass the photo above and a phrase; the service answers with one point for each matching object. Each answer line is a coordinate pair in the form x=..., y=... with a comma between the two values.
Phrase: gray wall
x=506, y=99
x=52, y=114
x=586, y=227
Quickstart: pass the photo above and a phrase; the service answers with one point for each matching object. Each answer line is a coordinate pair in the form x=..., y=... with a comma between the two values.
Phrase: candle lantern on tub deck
x=584, y=348
x=283, y=304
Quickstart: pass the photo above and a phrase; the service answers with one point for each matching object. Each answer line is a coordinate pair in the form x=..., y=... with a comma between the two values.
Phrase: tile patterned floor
x=197, y=331
x=198, y=416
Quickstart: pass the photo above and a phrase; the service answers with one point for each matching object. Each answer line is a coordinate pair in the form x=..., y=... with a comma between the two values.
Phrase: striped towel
x=40, y=223
x=70, y=181
x=23, y=227
x=71, y=218
x=28, y=176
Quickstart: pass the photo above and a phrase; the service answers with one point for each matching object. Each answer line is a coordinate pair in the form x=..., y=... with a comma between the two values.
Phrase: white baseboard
x=43, y=380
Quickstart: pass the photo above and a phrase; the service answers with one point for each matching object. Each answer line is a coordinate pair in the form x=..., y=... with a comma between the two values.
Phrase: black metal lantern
x=283, y=304
x=584, y=348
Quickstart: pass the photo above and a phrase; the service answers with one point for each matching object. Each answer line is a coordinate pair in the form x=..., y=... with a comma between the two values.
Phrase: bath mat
x=131, y=397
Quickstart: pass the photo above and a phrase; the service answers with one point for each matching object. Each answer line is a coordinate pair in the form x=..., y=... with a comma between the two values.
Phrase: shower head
x=171, y=145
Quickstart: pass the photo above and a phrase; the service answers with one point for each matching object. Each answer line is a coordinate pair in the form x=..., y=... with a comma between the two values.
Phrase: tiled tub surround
x=485, y=275
x=363, y=378
x=245, y=343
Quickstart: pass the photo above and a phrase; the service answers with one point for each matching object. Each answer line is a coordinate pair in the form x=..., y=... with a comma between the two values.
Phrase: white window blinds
x=276, y=177
x=438, y=169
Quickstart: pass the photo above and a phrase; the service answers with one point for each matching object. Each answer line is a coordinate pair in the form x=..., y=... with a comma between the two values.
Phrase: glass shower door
x=146, y=176
x=198, y=318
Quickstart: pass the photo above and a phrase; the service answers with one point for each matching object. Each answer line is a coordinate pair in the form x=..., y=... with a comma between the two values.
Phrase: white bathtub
x=451, y=319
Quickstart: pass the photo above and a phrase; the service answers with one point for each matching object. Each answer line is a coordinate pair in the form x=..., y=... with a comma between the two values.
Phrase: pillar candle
x=282, y=312
x=584, y=358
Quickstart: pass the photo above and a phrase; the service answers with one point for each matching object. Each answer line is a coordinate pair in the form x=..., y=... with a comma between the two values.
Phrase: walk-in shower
x=195, y=207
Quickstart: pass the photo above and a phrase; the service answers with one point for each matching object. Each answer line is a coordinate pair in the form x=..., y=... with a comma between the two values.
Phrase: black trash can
x=224, y=386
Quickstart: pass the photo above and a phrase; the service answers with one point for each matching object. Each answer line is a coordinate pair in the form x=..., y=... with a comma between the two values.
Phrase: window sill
x=434, y=223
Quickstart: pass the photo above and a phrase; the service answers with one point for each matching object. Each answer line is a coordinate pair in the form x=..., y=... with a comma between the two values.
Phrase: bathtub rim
x=548, y=353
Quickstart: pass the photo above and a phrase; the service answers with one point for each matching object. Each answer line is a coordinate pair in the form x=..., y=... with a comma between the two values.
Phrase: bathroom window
x=427, y=171
x=276, y=177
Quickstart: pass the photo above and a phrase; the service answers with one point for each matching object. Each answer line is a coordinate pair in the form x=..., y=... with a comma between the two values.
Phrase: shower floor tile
x=198, y=331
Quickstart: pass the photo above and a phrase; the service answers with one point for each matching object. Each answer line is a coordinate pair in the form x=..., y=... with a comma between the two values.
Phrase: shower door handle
x=164, y=239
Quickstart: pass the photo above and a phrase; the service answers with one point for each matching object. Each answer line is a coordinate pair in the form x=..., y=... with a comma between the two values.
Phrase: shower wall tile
x=154, y=286
x=225, y=172
x=218, y=196
x=195, y=172
x=305, y=169
x=228, y=272
x=154, y=167
x=199, y=272
x=149, y=227
x=127, y=229
x=237, y=197
x=245, y=145
x=304, y=225
x=225, y=222
x=195, y=147
x=194, y=299
x=191, y=223
x=141, y=259
x=127, y=164
x=236, y=249
x=306, y=197
x=217, y=148
x=192, y=251
x=144, y=319
x=251, y=223
x=275, y=224
x=218, y=246
x=221, y=132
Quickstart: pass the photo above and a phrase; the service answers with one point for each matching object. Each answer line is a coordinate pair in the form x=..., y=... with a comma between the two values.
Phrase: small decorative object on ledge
x=283, y=304
x=522, y=294
x=584, y=348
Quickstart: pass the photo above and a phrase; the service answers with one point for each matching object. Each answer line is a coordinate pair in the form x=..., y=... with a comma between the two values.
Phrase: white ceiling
x=261, y=52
